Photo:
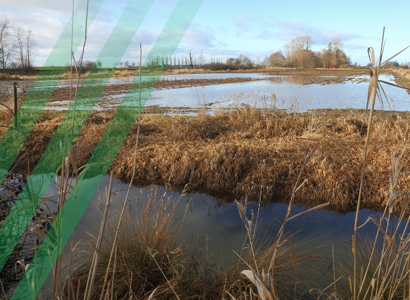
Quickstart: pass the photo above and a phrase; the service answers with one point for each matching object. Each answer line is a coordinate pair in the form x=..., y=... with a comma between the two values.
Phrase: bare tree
x=20, y=34
x=88, y=64
x=339, y=55
x=191, y=58
x=266, y=61
x=303, y=42
x=297, y=47
x=30, y=43
x=277, y=59
x=243, y=61
x=201, y=59
x=6, y=42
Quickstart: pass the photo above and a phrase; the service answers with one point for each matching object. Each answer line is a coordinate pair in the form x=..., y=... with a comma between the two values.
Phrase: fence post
x=15, y=103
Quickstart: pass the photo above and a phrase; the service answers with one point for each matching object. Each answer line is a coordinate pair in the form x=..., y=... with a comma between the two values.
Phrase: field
x=251, y=151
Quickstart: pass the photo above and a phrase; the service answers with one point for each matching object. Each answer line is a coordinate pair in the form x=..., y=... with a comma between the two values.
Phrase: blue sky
x=229, y=28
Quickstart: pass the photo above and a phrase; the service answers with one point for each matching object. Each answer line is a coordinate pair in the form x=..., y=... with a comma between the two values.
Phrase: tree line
x=16, y=46
x=298, y=53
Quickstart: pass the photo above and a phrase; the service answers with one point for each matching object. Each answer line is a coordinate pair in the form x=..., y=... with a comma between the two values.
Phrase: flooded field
x=215, y=225
x=191, y=91
x=247, y=154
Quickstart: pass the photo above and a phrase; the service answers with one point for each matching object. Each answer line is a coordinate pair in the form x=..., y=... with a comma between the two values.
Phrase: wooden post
x=15, y=103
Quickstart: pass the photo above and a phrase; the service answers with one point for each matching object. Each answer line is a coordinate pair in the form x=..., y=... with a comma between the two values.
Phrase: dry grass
x=244, y=150
x=402, y=72
x=153, y=228
x=9, y=77
x=151, y=259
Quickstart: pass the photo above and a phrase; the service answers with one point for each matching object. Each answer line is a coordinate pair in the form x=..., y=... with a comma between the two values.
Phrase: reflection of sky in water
x=289, y=90
x=338, y=95
x=221, y=224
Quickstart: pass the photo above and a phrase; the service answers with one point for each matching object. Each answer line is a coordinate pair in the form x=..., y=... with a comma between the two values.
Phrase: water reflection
x=220, y=222
x=309, y=92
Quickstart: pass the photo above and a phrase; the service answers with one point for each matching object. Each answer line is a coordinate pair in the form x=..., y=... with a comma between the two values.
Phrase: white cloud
x=198, y=38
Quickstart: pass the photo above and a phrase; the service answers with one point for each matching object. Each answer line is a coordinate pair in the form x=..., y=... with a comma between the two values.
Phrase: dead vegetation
x=149, y=258
x=9, y=77
x=242, y=151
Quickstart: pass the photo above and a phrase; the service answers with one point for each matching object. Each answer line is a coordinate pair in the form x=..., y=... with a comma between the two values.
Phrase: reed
x=374, y=88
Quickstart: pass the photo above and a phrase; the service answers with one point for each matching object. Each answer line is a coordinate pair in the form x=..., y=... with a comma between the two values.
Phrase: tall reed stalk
x=375, y=88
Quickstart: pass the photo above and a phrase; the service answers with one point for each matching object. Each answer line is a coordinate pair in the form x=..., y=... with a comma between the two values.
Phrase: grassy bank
x=242, y=151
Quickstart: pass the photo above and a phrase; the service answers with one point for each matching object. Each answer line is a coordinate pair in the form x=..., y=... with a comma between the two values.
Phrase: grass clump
x=151, y=259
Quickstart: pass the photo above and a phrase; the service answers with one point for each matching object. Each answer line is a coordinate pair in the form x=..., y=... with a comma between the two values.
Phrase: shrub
x=404, y=66
x=332, y=66
x=344, y=66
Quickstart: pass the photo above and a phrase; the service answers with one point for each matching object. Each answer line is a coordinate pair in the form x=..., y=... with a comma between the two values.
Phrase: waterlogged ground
x=191, y=91
x=215, y=222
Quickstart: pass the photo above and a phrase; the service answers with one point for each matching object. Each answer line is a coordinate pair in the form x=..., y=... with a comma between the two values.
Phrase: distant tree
x=230, y=61
x=20, y=34
x=258, y=60
x=133, y=64
x=30, y=43
x=243, y=61
x=6, y=43
x=306, y=59
x=120, y=64
x=277, y=59
x=191, y=58
x=296, y=47
x=394, y=63
x=265, y=61
x=98, y=64
x=126, y=63
x=88, y=64
x=201, y=59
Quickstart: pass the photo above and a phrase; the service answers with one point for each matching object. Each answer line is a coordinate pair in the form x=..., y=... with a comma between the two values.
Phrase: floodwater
x=291, y=92
x=215, y=221
x=216, y=224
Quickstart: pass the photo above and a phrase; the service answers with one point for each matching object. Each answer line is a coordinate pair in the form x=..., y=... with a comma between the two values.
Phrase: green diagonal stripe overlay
x=69, y=128
x=102, y=157
x=44, y=85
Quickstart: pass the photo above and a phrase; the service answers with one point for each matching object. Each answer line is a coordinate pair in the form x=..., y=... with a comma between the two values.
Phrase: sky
x=228, y=28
